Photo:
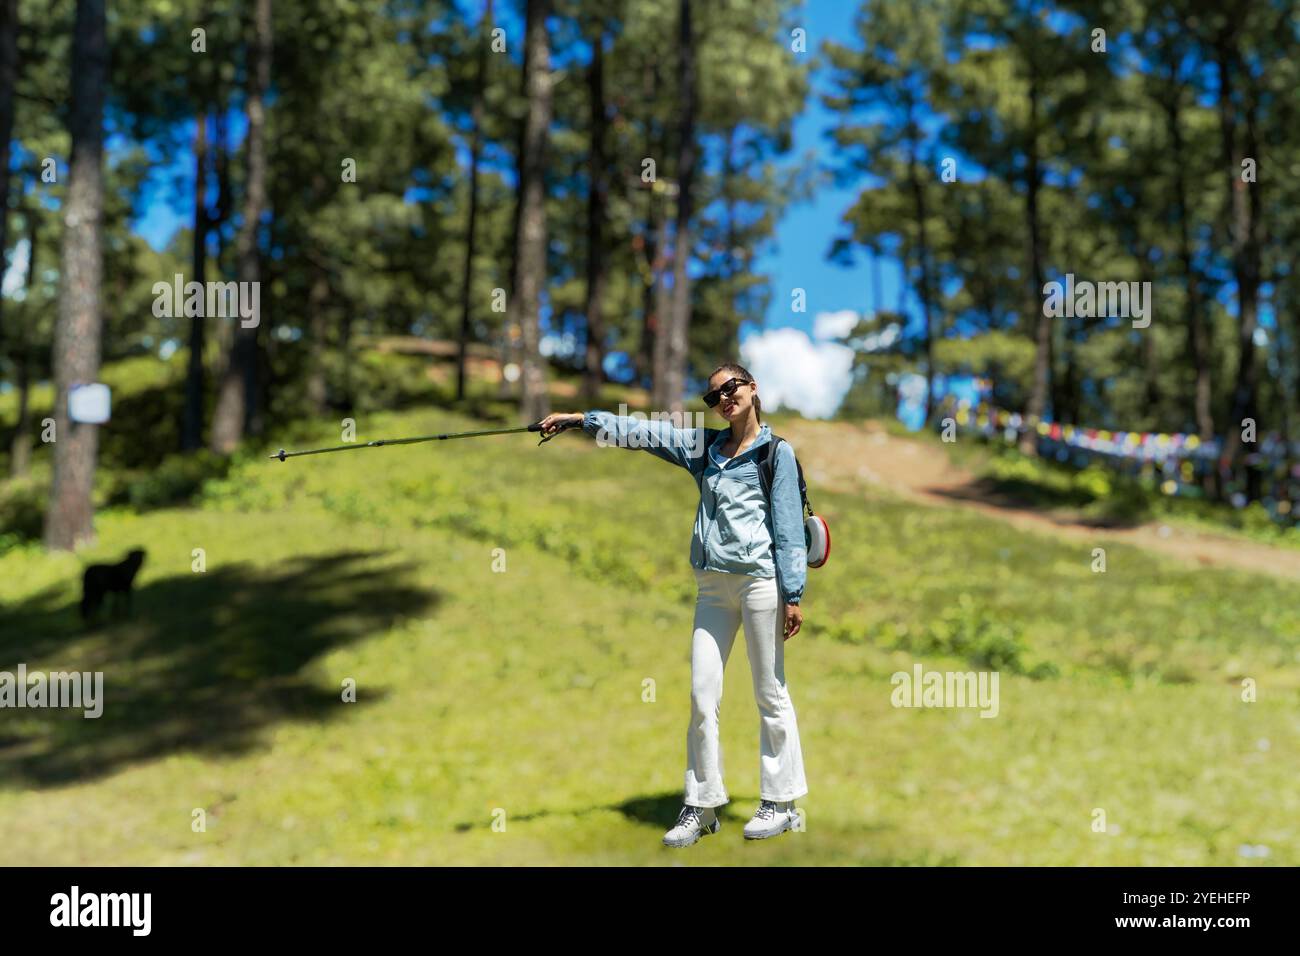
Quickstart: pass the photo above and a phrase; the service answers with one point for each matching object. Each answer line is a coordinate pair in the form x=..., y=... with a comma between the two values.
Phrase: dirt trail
x=842, y=456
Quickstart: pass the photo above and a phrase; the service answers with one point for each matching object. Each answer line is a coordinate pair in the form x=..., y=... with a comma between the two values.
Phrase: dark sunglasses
x=727, y=388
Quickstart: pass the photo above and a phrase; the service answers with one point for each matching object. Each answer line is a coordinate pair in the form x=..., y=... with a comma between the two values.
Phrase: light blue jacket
x=733, y=530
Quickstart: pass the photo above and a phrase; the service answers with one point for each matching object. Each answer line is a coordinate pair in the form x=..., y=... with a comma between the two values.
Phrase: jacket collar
x=764, y=435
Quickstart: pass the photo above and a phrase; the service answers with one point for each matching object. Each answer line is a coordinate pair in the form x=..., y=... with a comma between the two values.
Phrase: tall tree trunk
x=661, y=313
x=8, y=79
x=597, y=203
x=655, y=295
x=987, y=295
x=345, y=350
x=238, y=395
x=1288, y=307
x=530, y=239
x=1070, y=397
x=1150, y=360
x=923, y=257
x=20, y=448
x=475, y=150
x=654, y=245
x=1064, y=384
x=1243, y=226
x=662, y=327
x=672, y=385
x=318, y=294
x=1198, y=330
x=77, y=333
x=192, y=423
x=223, y=334
x=1043, y=323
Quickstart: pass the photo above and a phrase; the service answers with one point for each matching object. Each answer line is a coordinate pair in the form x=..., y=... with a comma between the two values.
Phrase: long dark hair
x=739, y=371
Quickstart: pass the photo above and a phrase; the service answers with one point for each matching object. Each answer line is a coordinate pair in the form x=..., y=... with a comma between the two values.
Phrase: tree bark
x=77, y=334
x=475, y=151
x=923, y=257
x=20, y=448
x=1043, y=324
x=1198, y=331
x=345, y=349
x=192, y=423
x=673, y=370
x=530, y=239
x=655, y=237
x=8, y=80
x=1150, y=360
x=318, y=295
x=597, y=203
x=661, y=314
x=317, y=332
x=237, y=399
x=1243, y=226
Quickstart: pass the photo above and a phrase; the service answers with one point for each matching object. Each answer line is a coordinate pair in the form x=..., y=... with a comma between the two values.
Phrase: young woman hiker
x=750, y=565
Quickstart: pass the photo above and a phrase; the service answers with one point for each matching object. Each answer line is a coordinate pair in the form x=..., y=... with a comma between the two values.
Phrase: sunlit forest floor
x=501, y=608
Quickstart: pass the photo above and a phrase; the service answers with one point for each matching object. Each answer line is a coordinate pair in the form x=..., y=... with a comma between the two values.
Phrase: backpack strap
x=767, y=473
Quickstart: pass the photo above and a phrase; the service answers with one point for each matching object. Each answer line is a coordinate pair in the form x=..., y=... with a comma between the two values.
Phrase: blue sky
x=805, y=232
x=790, y=357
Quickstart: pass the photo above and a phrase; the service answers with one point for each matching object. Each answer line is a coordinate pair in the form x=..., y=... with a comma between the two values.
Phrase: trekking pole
x=535, y=427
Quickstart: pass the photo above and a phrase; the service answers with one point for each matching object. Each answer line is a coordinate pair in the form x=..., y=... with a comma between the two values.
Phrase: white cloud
x=794, y=371
x=834, y=325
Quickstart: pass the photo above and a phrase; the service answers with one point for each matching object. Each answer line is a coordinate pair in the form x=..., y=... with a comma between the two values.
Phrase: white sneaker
x=692, y=823
x=771, y=819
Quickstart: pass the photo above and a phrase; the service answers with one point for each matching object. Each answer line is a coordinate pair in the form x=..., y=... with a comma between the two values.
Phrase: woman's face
x=736, y=406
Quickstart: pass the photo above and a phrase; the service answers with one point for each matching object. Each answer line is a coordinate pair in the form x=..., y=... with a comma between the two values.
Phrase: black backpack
x=816, y=533
x=766, y=459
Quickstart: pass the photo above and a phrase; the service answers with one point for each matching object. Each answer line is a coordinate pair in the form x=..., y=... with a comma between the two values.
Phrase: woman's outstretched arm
x=679, y=446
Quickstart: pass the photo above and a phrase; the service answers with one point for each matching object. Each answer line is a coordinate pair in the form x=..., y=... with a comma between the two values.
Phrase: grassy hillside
x=480, y=690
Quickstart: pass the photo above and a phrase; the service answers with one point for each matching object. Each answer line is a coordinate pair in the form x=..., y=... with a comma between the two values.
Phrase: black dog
x=101, y=579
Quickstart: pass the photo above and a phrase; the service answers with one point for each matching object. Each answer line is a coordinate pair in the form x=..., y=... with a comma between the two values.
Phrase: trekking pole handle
x=563, y=426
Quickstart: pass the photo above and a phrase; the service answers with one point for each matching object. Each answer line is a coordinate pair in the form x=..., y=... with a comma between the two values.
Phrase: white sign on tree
x=89, y=404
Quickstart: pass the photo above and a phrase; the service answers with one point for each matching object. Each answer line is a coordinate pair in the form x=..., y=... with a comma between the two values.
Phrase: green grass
x=521, y=690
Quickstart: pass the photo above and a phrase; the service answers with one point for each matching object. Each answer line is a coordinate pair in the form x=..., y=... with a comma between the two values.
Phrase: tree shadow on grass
x=205, y=663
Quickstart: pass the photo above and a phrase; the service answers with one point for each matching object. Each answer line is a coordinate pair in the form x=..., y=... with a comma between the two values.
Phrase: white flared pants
x=727, y=601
